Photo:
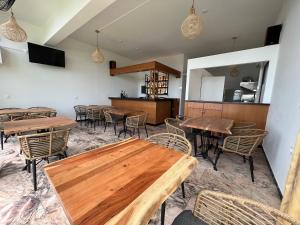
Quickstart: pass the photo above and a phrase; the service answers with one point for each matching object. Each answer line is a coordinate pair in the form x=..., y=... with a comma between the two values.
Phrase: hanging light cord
x=97, y=36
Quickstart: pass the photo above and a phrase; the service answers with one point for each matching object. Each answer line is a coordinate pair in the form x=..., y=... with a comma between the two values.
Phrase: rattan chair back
x=94, y=113
x=173, y=126
x=42, y=145
x=107, y=116
x=244, y=141
x=136, y=121
x=172, y=141
x=219, y=208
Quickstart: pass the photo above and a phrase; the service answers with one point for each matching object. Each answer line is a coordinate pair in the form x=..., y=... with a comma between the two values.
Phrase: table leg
x=1, y=137
x=124, y=127
x=195, y=143
x=162, y=214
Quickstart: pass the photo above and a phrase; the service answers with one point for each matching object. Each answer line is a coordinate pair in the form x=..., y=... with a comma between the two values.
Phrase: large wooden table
x=19, y=126
x=217, y=125
x=121, y=183
x=25, y=111
x=201, y=125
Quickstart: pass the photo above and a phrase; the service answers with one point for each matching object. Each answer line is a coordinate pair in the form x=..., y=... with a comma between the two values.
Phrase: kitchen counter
x=157, y=109
x=237, y=111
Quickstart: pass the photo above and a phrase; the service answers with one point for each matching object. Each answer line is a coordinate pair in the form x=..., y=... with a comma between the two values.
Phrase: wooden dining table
x=120, y=183
x=205, y=127
x=20, y=126
x=25, y=111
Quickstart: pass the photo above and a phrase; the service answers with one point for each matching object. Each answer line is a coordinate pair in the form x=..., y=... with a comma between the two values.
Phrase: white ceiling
x=154, y=28
x=35, y=12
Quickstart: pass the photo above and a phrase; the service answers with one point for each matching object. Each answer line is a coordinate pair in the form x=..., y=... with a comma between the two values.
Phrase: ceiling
x=154, y=28
x=35, y=12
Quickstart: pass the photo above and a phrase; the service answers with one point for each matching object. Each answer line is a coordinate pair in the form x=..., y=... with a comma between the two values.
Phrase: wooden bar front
x=238, y=112
x=158, y=110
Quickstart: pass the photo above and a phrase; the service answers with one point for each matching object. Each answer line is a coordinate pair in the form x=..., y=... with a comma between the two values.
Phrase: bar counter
x=158, y=109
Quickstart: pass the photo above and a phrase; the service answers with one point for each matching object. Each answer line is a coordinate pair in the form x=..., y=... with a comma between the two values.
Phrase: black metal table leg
x=162, y=214
x=1, y=137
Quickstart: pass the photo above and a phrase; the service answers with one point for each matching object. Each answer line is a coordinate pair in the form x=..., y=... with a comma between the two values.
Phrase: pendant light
x=234, y=70
x=97, y=55
x=192, y=25
x=12, y=31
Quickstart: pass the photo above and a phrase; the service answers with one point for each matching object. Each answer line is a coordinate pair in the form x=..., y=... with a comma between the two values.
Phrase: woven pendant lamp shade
x=97, y=55
x=5, y=5
x=192, y=25
x=12, y=31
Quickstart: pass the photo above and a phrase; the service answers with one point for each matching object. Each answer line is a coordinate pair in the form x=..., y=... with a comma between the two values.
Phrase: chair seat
x=187, y=218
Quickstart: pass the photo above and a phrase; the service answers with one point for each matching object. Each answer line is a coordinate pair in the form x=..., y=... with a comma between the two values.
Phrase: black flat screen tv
x=45, y=55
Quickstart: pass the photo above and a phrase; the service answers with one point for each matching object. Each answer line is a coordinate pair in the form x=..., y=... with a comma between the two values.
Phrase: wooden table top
x=13, y=127
x=121, y=183
x=14, y=111
x=218, y=125
x=123, y=112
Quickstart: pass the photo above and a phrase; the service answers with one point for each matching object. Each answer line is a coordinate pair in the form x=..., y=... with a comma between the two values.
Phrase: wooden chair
x=94, y=115
x=219, y=208
x=111, y=120
x=3, y=118
x=81, y=112
x=173, y=127
x=175, y=142
x=41, y=146
x=244, y=142
x=136, y=122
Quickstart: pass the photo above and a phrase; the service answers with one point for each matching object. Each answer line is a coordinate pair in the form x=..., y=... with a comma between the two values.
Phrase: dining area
x=119, y=169
x=192, y=139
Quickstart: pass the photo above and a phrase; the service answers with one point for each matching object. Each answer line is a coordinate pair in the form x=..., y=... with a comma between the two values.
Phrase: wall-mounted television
x=45, y=55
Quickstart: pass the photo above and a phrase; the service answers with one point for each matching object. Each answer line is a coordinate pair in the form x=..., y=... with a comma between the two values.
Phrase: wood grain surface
x=124, y=112
x=14, y=111
x=13, y=127
x=157, y=111
x=148, y=66
x=122, y=183
x=218, y=125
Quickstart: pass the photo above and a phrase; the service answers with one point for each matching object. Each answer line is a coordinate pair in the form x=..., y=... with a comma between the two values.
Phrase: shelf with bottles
x=157, y=83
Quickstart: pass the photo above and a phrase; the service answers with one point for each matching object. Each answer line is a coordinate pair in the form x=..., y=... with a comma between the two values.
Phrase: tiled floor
x=19, y=204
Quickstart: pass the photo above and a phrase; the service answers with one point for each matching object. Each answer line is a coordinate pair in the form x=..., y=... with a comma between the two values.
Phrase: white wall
x=268, y=53
x=212, y=88
x=196, y=83
x=24, y=84
x=283, y=121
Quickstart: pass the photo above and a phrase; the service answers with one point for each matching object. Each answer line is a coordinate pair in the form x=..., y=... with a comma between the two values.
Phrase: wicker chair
x=81, y=112
x=41, y=146
x=244, y=142
x=136, y=122
x=219, y=208
x=173, y=141
x=3, y=118
x=173, y=126
x=242, y=125
x=94, y=115
x=109, y=119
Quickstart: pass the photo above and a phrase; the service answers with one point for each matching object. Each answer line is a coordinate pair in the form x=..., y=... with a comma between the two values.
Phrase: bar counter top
x=143, y=99
x=215, y=102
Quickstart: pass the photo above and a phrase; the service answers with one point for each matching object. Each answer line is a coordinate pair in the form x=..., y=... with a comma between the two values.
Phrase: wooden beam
x=145, y=67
